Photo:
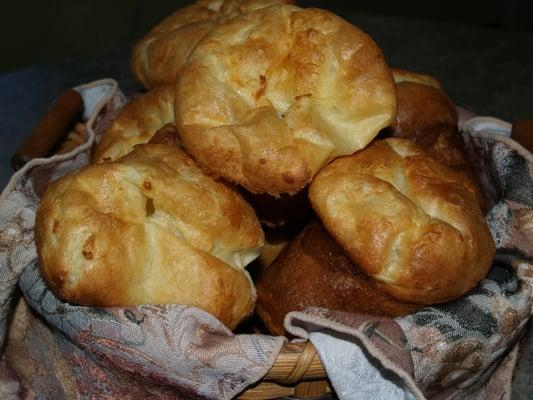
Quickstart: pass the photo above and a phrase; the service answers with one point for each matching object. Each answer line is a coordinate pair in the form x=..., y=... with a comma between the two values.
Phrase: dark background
x=42, y=32
x=482, y=51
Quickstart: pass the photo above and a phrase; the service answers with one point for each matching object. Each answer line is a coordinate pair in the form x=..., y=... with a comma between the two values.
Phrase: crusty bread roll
x=149, y=228
x=269, y=97
x=136, y=123
x=428, y=117
x=409, y=222
x=313, y=271
x=158, y=58
x=403, y=231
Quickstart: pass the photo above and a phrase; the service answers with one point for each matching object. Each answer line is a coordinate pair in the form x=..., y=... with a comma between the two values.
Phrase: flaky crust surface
x=409, y=222
x=269, y=97
x=136, y=123
x=151, y=228
x=158, y=58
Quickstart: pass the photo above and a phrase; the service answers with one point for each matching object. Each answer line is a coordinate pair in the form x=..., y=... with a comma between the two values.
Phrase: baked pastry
x=407, y=221
x=313, y=271
x=136, y=123
x=158, y=58
x=150, y=228
x=428, y=117
x=269, y=97
x=412, y=228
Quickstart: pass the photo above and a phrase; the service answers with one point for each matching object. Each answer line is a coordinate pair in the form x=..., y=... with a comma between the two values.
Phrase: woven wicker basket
x=297, y=372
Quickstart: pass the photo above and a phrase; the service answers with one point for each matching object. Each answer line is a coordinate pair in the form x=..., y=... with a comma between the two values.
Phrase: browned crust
x=268, y=111
x=313, y=271
x=136, y=123
x=151, y=228
x=428, y=116
x=158, y=58
x=407, y=221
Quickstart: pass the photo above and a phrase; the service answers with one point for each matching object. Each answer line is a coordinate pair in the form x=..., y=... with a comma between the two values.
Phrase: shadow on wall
x=59, y=29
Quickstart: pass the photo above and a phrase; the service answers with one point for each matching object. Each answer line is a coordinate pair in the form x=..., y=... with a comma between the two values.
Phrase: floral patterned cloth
x=466, y=349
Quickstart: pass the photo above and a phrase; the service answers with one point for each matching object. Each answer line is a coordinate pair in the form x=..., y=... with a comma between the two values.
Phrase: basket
x=297, y=372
